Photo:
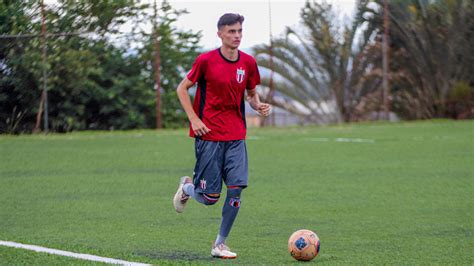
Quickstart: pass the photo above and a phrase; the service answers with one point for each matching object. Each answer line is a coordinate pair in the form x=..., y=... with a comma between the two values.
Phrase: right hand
x=199, y=128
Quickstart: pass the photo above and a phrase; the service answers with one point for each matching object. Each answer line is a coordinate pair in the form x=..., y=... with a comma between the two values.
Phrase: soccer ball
x=303, y=245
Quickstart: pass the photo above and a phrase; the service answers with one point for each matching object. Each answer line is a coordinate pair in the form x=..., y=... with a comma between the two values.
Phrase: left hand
x=264, y=109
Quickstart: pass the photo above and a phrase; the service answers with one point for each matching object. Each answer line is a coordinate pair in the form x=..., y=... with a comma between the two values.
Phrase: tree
x=178, y=50
x=431, y=61
x=98, y=80
x=323, y=69
x=18, y=84
x=433, y=42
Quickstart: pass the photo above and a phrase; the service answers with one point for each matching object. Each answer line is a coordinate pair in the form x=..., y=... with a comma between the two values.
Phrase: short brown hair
x=229, y=19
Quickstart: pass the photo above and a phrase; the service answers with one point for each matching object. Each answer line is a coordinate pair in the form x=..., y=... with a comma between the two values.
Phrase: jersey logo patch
x=240, y=75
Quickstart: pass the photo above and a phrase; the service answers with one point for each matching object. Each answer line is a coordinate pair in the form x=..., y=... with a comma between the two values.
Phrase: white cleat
x=180, y=198
x=222, y=251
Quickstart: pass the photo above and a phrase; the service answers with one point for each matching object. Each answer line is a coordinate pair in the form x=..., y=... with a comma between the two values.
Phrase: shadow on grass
x=325, y=258
x=96, y=172
x=173, y=255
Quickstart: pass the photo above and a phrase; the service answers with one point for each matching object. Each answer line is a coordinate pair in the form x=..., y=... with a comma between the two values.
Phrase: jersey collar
x=230, y=61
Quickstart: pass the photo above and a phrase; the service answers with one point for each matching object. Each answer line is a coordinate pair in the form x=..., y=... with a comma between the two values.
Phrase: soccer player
x=217, y=122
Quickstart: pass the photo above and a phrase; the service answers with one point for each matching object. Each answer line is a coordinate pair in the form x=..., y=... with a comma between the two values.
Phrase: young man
x=217, y=122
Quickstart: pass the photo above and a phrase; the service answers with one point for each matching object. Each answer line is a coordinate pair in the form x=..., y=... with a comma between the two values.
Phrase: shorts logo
x=240, y=75
x=202, y=184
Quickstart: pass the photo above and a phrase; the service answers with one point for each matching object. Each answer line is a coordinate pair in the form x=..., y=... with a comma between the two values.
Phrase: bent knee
x=211, y=199
x=234, y=191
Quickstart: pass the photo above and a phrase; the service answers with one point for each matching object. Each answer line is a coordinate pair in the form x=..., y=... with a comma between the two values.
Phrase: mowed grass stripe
x=406, y=197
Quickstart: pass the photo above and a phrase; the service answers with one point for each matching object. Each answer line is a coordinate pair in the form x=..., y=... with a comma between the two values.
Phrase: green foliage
x=461, y=91
x=322, y=66
x=18, y=82
x=431, y=51
x=98, y=77
x=460, y=101
x=321, y=62
x=397, y=194
x=178, y=50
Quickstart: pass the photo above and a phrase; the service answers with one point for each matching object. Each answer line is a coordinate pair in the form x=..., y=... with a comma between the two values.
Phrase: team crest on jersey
x=202, y=184
x=240, y=75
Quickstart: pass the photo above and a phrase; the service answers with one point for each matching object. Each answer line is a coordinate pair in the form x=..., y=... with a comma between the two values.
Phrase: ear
x=219, y=33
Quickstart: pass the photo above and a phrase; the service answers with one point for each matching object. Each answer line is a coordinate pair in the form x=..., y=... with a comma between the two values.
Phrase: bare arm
x=197, y=125
x=254, y=100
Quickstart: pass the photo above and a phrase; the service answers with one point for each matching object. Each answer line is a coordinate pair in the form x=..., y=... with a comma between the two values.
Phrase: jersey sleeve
x=198, y=69
x=254, y=76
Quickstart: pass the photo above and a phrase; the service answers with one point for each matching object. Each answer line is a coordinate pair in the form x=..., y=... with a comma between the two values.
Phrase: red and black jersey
x=219, y=100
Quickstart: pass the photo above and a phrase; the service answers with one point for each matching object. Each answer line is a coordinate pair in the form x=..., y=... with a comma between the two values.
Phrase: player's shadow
x=173, y=255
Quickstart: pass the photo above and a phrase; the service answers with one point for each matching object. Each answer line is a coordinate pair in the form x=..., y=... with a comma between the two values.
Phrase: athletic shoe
x=222, y=251
x=180, y=198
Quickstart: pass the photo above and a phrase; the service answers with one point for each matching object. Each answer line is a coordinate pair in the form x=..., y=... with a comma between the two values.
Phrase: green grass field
x=374, y=193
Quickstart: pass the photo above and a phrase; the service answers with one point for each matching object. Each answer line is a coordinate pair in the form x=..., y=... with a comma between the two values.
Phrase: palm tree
x=322, y=72
x=432, y=54
x=328, y=75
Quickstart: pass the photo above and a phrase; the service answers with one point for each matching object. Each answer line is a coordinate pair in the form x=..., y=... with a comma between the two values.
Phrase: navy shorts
x=218, y=161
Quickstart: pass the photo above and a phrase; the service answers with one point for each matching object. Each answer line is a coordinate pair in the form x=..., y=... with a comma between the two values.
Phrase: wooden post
x=43, y=106
x=386, y=90
x=270, y=120
x=159, y=121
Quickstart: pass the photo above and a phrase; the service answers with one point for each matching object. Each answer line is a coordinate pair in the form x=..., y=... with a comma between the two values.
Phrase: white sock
x=188, y=188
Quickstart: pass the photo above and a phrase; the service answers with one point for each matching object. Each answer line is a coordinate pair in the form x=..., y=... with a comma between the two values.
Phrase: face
x=231, y=35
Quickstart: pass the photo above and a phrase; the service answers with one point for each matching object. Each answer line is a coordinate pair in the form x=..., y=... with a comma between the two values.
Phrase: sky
x=204, y=14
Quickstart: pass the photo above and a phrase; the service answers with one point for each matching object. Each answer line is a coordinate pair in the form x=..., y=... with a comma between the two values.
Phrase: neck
x=231, y=54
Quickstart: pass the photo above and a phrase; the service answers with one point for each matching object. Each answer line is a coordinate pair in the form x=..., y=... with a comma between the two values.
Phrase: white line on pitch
x=354, y=140
x=343, y=140
x=70, y=254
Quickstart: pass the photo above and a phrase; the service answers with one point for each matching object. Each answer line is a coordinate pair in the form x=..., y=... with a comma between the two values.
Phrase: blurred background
x=115, y=64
